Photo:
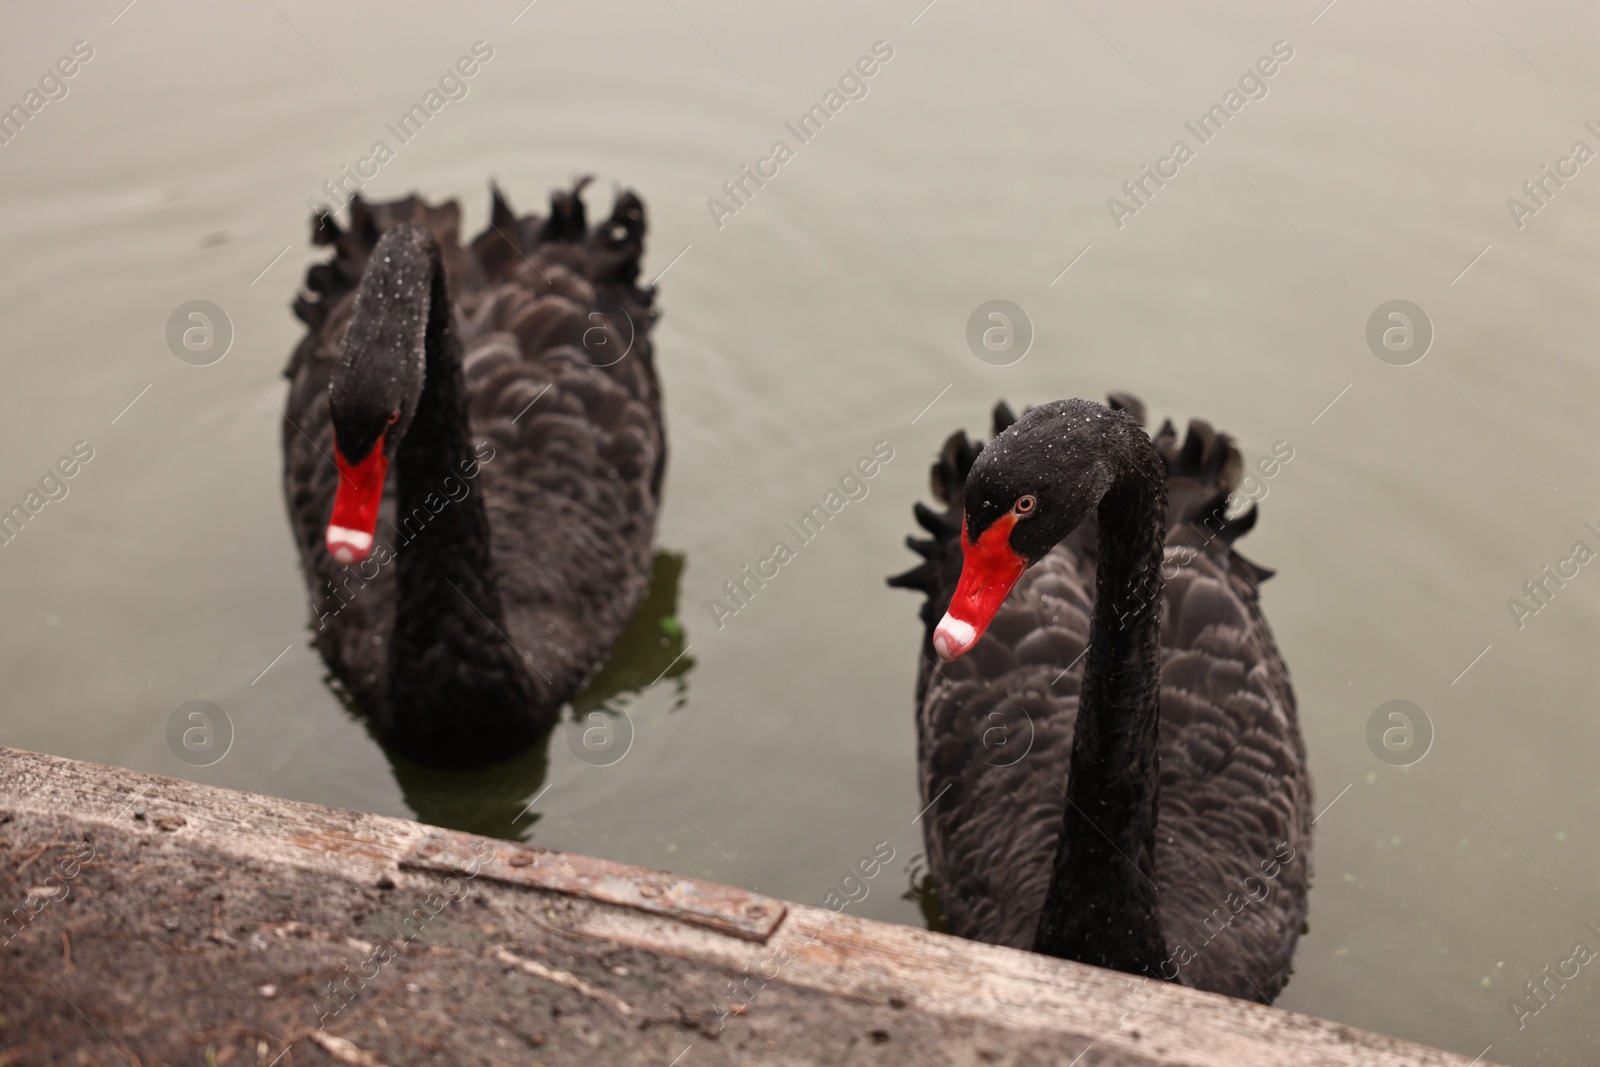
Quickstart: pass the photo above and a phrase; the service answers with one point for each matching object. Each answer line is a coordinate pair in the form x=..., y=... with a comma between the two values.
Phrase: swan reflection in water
x=495, y=801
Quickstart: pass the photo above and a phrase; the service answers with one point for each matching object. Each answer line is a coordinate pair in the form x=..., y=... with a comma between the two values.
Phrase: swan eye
x=1025, y=505
x=394, y=417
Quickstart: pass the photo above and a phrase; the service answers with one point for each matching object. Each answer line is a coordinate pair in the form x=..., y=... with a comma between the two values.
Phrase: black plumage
x=512, y=382
x=1166, y=829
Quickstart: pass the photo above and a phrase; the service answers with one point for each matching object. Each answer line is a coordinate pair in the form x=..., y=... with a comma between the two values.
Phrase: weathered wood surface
x=149, y=920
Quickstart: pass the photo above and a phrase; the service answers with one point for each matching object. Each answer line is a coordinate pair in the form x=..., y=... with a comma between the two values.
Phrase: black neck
x=459, y=692
x=1101, y=904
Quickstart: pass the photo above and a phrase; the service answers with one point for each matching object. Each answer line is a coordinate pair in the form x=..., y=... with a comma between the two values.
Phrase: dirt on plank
x=132, y=943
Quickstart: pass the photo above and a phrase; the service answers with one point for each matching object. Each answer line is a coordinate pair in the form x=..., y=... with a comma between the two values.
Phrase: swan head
x=1035, y=483
x=378, y=381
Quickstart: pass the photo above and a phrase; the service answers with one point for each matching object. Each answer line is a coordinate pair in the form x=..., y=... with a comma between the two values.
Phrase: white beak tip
x=348, y=546
x=953, y=638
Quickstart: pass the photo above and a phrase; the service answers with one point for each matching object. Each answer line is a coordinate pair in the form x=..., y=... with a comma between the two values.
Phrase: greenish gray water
x=826, y=312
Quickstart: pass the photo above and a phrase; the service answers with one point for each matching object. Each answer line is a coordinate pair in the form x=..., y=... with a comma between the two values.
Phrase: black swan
x=473, y=454
x=1150, y=810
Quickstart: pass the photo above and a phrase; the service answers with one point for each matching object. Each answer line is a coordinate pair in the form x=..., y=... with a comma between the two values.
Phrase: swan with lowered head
x=473, y=455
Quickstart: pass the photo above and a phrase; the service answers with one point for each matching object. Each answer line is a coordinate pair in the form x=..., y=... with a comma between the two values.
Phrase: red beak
x=989, y=569
x=355, y=504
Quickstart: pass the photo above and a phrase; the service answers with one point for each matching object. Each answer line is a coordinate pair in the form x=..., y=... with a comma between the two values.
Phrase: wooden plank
x=724, y=908
x=953, y=999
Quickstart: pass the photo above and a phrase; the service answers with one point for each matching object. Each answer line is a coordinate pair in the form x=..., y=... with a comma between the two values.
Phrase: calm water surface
x=824, y=315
